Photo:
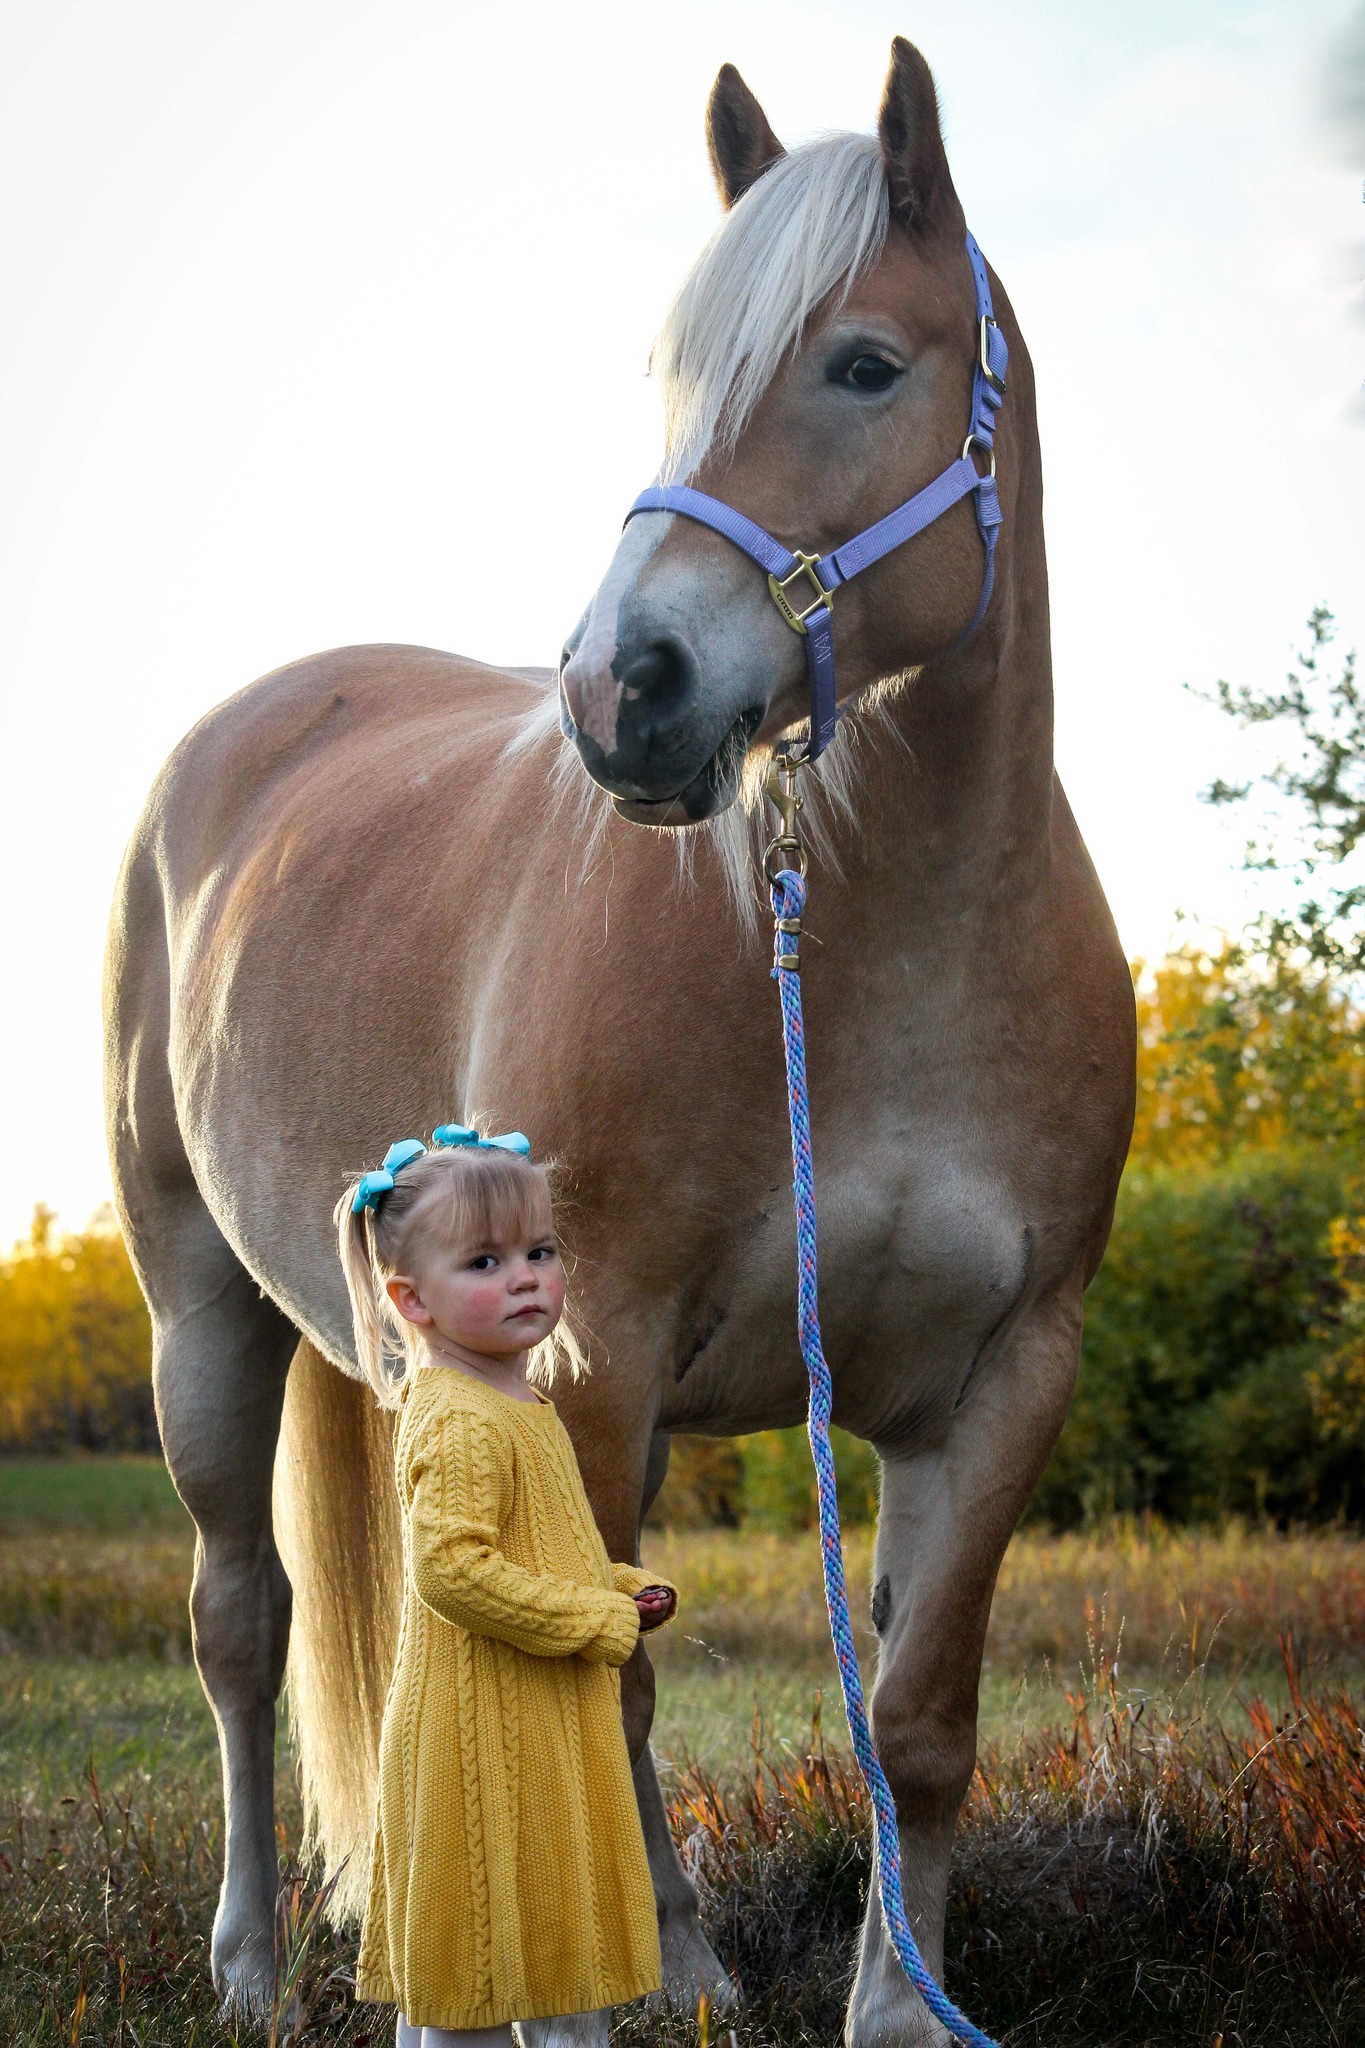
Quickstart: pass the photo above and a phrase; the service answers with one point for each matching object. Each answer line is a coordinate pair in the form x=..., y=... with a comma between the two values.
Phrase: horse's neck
x=958, y=806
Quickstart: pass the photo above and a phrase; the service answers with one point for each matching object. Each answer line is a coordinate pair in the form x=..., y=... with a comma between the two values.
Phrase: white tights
x=408, y=2036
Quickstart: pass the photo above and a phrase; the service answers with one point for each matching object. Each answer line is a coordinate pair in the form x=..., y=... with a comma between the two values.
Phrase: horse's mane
x=811, y=225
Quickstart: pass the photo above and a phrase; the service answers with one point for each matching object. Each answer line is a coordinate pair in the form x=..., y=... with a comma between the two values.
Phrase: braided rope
x=789, y=898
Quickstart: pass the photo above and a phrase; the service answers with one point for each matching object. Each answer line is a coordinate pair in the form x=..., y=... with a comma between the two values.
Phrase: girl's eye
x=871, y=373
x=543, y=1251
x=483, y=1263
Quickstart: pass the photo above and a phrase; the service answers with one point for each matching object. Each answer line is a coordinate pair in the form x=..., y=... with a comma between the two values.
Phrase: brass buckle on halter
x=805, y=566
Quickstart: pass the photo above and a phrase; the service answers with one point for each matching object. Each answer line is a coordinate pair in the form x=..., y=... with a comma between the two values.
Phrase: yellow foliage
x=1336, y=1386
x=75, y=1342
x=1237, y=1054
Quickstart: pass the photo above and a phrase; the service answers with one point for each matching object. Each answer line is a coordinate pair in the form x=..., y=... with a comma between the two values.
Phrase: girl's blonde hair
x=488, y=1197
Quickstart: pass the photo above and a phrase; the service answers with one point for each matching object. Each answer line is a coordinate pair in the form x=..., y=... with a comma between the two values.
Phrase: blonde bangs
x=483, y=1198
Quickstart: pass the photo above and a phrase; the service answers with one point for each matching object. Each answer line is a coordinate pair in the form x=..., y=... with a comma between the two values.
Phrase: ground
x=1165, y=1841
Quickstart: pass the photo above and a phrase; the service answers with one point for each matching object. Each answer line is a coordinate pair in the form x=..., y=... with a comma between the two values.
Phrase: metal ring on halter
x=791, y=854
x=975, y=441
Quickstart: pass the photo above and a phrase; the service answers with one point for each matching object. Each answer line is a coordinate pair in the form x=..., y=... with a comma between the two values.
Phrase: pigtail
x=374, y=1336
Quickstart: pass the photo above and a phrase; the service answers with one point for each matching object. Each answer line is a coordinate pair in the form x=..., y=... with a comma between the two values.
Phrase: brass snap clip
x=785, y=850
x=780, y=789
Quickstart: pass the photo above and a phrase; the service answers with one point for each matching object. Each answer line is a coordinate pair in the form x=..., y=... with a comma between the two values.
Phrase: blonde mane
x=811, y=226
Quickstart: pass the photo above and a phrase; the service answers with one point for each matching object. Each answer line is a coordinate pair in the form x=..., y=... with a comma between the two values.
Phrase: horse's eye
x=872, y=373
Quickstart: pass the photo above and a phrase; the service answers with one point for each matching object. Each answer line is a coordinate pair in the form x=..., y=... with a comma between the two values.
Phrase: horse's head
x=816, y=371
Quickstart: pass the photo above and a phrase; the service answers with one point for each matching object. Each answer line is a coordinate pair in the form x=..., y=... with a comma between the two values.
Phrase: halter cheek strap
x=803, y=585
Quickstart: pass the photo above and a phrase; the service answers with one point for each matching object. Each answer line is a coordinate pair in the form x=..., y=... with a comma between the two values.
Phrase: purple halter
x=823, y=574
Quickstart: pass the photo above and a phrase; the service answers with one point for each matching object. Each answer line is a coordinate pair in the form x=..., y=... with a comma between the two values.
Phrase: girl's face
x=492, y=1299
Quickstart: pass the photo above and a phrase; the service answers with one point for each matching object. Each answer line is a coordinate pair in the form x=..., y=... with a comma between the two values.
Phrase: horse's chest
x=920, y=1265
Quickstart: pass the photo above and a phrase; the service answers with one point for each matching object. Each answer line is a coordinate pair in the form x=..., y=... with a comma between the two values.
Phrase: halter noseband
x=823, y=574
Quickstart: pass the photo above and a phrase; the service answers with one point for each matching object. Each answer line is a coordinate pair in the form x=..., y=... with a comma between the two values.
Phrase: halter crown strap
x=821, y=575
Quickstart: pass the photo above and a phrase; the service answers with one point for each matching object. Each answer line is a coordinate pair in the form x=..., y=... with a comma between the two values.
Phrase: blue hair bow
x=464, y=1134
x=374, y=1186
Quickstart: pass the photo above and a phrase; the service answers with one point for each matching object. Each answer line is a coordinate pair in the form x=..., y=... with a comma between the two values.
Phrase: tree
x=75, y=1342
x=1240, y=1052
x=1321, y=780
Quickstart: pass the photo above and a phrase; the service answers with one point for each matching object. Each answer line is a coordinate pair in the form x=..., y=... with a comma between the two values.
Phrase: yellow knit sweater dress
x=509, y=1878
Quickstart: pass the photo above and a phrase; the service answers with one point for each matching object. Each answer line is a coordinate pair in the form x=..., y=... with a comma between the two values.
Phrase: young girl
x=509, y=1878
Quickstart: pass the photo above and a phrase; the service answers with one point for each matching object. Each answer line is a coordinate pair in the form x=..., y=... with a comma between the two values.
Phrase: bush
x=764, y=1481
x=1204, y=1329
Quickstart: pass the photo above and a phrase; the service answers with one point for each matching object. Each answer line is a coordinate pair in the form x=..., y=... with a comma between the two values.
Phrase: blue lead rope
x=789, y=898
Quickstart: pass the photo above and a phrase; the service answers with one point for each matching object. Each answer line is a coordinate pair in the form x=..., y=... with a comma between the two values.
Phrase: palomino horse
x=376, y=891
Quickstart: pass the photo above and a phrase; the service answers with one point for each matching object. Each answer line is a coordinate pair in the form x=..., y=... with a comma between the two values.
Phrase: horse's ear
x=741, y=143
x=922, y=196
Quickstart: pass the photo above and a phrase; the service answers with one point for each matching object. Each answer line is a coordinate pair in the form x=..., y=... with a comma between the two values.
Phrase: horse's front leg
x=946, y=1518
x=690, y=1965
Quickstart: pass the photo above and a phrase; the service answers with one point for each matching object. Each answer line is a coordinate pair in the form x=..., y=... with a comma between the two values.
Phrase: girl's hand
x=656, y=1605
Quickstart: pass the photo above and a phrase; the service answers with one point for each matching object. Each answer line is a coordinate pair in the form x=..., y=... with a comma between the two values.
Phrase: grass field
x=1165, y=1842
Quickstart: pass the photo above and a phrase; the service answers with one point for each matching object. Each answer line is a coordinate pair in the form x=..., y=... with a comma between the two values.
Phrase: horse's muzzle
x=712, y=789
x=640, y=736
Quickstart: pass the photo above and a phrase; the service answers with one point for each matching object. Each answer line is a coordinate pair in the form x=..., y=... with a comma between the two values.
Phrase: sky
x=329, y=323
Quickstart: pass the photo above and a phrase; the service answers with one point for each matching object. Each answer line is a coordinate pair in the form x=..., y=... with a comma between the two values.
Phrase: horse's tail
x=339, y=1534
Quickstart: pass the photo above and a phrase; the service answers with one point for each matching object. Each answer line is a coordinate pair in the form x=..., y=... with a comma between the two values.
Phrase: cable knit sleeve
x=460, y=1480
x=633, y=1578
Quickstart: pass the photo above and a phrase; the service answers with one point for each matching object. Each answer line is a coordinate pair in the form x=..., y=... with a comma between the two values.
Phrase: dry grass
x=77, y=1593
x=106, y=1905
x=1140, y=1864
x=1182, y=1597
x=1174, y=1600
x=1123, y=1882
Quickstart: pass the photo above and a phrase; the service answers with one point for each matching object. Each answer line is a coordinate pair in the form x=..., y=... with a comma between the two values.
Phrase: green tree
x=1216, y=1305
x=1319, y=781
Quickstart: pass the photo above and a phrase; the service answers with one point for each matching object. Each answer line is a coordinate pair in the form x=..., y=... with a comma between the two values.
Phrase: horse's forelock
x=813, y=224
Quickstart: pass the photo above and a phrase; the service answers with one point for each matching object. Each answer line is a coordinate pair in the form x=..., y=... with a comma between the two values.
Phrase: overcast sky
x=311, y=308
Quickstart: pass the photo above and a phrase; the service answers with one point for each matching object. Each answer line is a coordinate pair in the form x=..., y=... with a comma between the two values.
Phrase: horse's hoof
x=569, y=2030
x=692, y=1970
x=245, y=1983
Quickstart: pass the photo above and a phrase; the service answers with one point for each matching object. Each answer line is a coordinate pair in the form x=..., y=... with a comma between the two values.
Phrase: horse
x=377, y=889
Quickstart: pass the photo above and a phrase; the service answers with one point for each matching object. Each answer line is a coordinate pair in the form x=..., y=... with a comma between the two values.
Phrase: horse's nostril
x=661, y=676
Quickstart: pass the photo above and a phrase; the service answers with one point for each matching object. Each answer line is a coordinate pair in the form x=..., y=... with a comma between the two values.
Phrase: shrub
x=1203, y=1330
x=765, y=1481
